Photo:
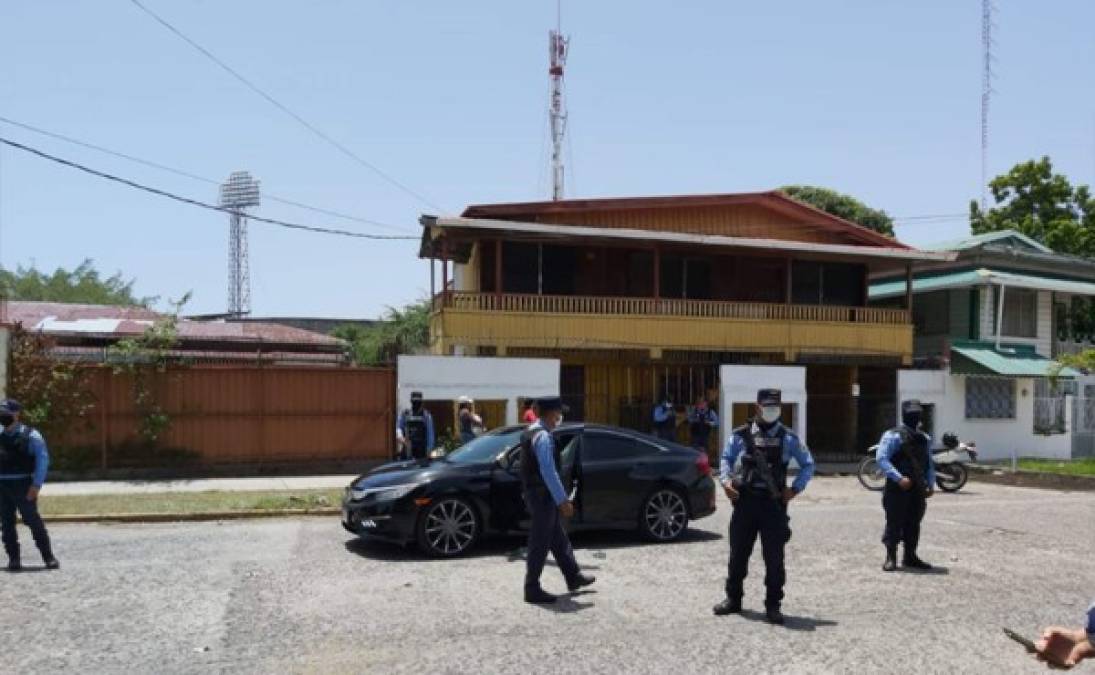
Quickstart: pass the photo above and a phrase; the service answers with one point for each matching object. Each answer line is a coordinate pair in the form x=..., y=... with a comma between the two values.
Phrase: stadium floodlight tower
x=238, y=193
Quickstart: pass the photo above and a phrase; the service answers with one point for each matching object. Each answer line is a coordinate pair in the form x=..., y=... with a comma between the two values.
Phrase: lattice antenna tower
x=986, y=93
x=558, y=47
x=239, y=193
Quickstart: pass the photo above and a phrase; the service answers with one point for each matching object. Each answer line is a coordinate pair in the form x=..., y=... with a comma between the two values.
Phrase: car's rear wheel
x=664, y=515
x=448, y=527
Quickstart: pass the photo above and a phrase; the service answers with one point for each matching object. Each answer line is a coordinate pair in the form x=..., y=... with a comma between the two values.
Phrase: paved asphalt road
x=301, y=595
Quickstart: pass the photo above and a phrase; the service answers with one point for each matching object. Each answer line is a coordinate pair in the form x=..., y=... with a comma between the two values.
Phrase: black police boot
x=52, y=563
x=579, y=581
x=539, y=596
x=891, y=559
x=773, y=615
x=14, y=565
x=912, y=561
x=728, y=606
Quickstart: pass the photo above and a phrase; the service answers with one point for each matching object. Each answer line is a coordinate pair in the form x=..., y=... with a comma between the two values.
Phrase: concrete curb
x=1033, y=479
x=188, y=517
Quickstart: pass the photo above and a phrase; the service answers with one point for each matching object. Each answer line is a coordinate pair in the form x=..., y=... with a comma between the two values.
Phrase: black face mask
x=416, y=407
x=6, y=420
x=911, y=419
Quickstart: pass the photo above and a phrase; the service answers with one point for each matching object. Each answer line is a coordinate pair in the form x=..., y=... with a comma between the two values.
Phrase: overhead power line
x=196, y=202
x=285, y=109
x=192, y=176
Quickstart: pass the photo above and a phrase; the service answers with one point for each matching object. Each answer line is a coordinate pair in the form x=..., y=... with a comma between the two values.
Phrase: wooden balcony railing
x=565, y=304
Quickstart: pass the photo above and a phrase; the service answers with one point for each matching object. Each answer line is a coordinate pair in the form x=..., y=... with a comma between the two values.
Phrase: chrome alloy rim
x=665, y=514
x=450, y=527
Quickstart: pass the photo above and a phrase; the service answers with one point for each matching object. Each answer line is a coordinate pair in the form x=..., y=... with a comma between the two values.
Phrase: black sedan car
x=618, y=479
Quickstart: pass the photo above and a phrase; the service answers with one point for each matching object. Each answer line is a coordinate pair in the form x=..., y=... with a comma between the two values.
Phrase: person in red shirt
x=530, y=413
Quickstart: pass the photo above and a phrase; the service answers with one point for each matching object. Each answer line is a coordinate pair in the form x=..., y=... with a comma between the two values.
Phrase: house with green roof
x=987, y=328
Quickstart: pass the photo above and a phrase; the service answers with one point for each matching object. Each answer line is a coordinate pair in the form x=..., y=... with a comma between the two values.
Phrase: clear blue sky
x=877, y=99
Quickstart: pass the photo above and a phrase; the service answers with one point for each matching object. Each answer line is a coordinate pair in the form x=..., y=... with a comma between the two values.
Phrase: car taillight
x=703, y=464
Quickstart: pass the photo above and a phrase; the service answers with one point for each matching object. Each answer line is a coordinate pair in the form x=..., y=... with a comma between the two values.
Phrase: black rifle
x=918, y=476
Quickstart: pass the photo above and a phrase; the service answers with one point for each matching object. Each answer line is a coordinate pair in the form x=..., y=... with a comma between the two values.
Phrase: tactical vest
x=699, y=427
x=15, y=454
x=465, y=423
x=760, y=447
x=531, y=475
x=913, y=445
x=414, y=428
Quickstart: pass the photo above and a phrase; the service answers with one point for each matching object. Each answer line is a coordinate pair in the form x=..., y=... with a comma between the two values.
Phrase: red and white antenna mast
x=558, y=47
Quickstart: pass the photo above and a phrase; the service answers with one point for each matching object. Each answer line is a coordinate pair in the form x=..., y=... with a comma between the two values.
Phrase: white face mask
x=770, y=413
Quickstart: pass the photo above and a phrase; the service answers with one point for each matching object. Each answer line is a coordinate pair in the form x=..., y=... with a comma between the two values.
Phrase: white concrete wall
x=446, y=378
x=996, y=439
x=739, y=384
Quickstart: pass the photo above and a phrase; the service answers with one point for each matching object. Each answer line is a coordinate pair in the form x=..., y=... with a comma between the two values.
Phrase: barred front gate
x=1083, y=418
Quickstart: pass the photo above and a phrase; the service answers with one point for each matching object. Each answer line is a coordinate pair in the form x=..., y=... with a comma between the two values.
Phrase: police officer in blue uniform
x=24, y=461
x=414, y=430
x=665, y=420
x=904, y=455
x=760, y=497
x=547, y=503
x=701, y=421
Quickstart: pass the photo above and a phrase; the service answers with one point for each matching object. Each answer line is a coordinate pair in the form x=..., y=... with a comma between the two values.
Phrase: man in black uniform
x=547, y=503
x=414, y=430
x=904, y=454
x=760, y=499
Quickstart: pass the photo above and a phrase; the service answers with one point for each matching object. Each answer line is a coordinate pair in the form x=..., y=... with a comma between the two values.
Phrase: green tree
x=842, y=206
x=400, y=331
x=84, y=284
x=1041, y=204
x=145, y=358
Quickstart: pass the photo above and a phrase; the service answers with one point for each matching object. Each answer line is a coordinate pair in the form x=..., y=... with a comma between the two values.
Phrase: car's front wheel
x=664, y=515
x=448, y=527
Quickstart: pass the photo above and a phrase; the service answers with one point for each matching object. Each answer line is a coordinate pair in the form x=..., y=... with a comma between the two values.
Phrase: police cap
x=10, y=406
x=768, y=397
x=911, y=406
x=549, y=403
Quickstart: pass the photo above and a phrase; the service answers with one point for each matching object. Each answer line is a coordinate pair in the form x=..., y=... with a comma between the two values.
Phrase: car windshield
x=484, y=448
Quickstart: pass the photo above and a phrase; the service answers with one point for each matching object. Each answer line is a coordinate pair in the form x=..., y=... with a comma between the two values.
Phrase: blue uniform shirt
x=890, y=444
x=1090, y=627
x=663, y=413
x=544, y=447
x=41, y=457
x=707, y=415
x=792, y=448
x=401, y=428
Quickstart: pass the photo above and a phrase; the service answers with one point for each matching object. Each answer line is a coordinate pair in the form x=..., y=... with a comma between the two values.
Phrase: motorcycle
x=949, y=461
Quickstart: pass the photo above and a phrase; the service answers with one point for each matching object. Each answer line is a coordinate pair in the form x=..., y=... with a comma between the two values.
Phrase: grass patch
x=1075, y=467
x=188, y=502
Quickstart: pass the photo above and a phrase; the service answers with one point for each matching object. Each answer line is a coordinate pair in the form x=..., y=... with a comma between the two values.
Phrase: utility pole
x=238, y=193
x=986, y=94
x=558, y=47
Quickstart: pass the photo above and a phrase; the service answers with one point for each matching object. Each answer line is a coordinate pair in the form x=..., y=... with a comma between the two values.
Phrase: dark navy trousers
x=904, y=511
x=13, y=497
x=546, y=533
x=758, y=513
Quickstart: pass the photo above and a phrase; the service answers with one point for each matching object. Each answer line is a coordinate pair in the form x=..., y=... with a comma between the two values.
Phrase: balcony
x=505, y=321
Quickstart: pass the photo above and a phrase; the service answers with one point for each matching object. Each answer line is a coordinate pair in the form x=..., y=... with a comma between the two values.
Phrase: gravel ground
x=301, y=595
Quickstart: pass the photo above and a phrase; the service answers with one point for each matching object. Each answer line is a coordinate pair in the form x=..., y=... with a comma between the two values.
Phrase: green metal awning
x=939, y=282
x=979, y=277
x=982, y=358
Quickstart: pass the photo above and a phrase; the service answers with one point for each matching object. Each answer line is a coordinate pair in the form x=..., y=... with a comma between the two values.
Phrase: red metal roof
x=773, y=199
x=105, y=321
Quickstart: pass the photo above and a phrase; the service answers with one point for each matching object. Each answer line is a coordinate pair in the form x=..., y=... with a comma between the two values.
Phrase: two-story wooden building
x=640, y=297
